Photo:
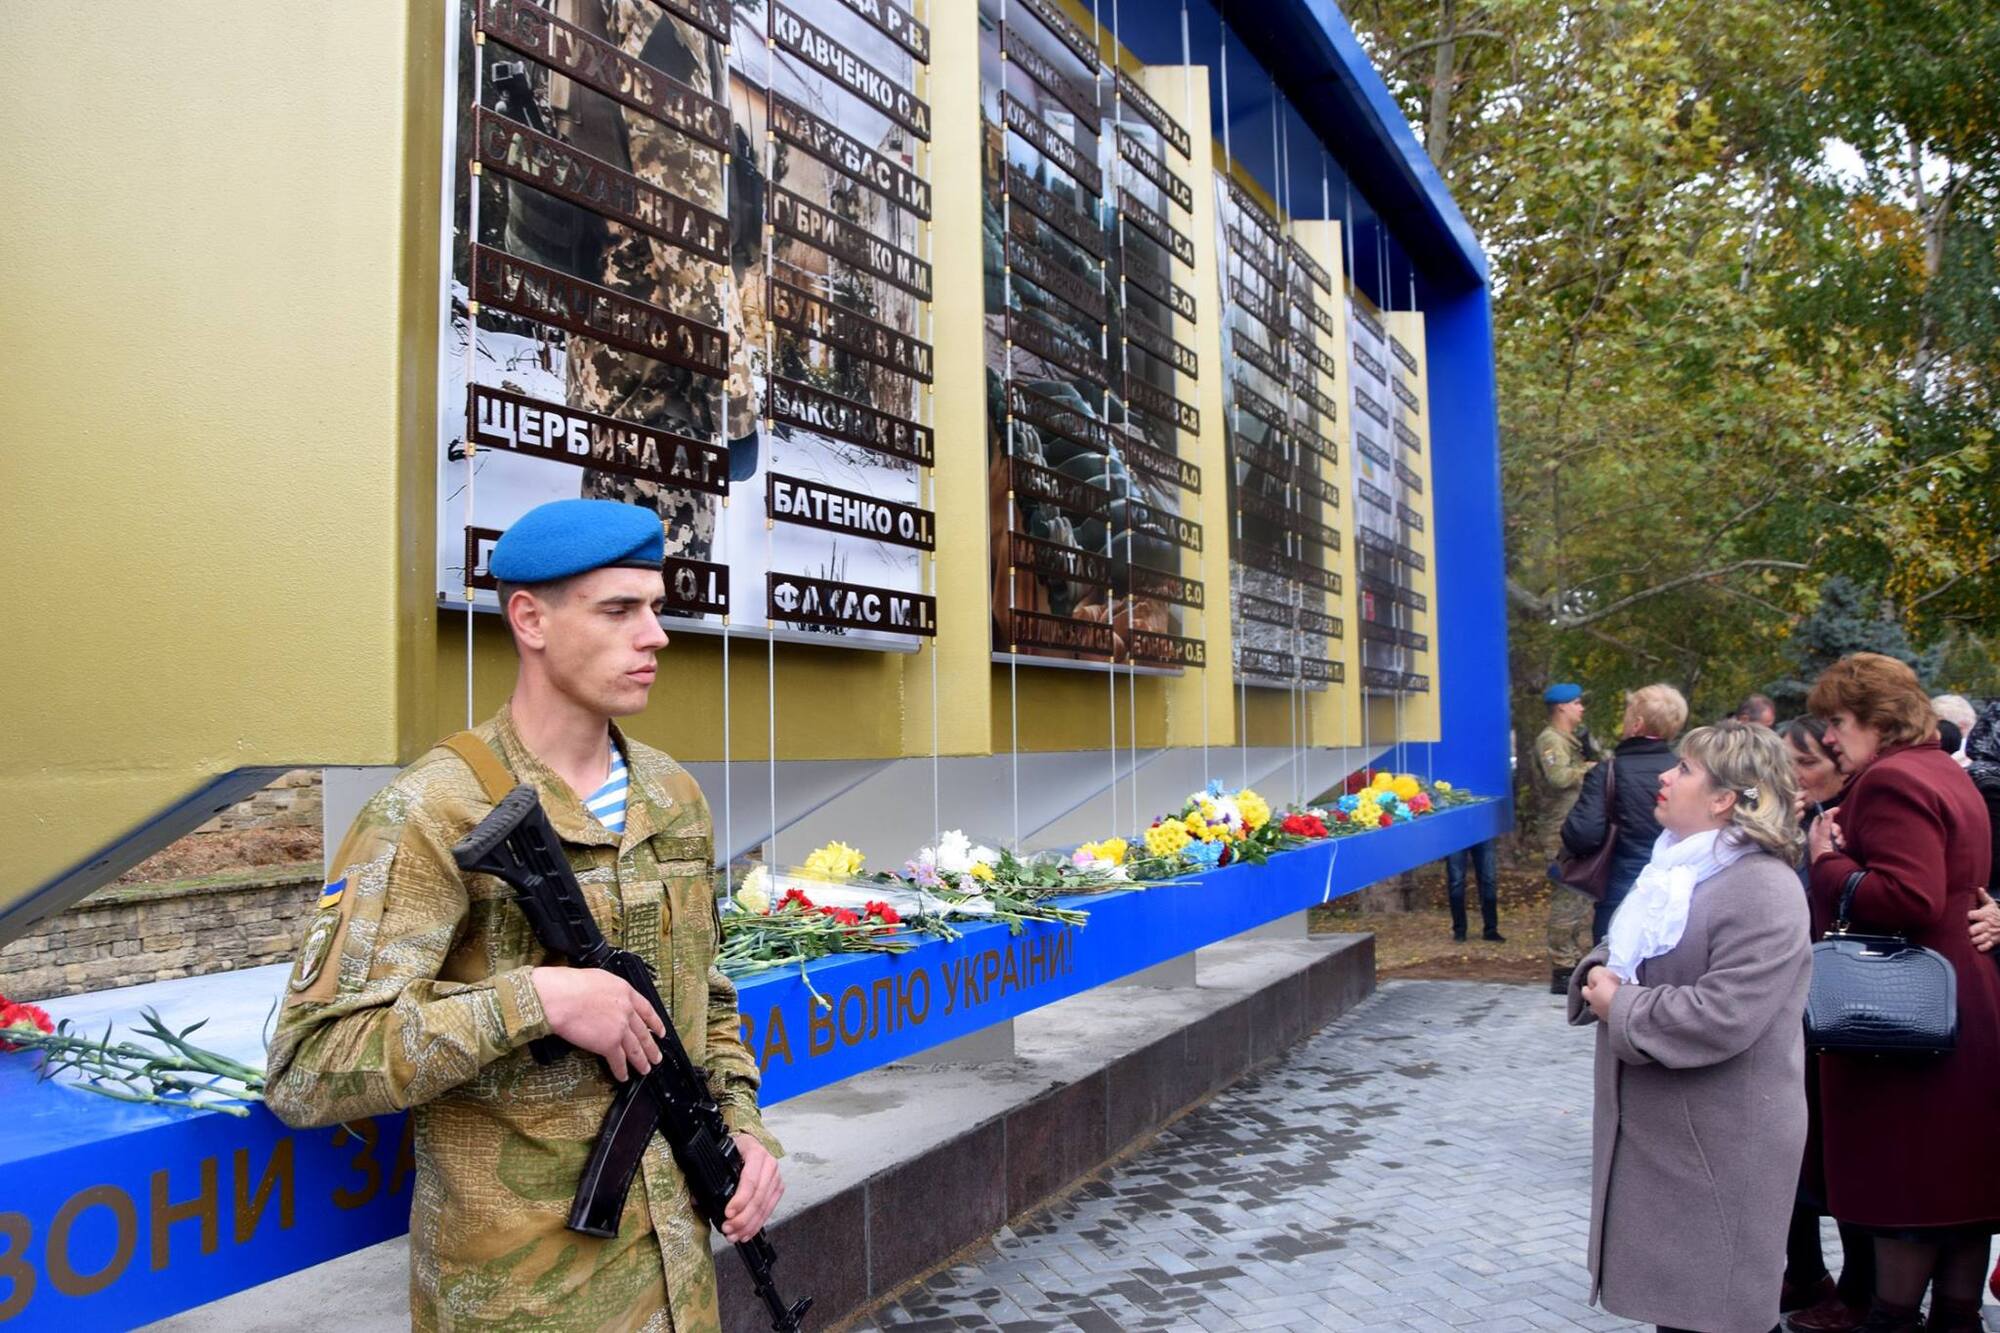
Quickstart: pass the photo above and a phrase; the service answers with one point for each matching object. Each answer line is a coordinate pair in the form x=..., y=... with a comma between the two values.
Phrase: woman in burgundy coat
x=1907, y=1149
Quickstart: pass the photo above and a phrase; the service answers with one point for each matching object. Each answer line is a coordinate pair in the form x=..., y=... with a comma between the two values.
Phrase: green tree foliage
x=1848, y=619
x=1747, y=319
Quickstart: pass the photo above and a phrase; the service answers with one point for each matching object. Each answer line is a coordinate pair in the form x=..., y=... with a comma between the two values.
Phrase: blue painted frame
x=114, y=1182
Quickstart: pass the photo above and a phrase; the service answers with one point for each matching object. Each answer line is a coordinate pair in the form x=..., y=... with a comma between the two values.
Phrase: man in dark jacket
x=1654, y=716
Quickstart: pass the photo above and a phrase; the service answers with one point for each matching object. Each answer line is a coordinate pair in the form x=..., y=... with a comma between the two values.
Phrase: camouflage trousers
x=1571, y=932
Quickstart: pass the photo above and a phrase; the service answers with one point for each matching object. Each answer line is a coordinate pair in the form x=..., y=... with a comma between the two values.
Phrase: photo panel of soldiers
x=1284, y=542
x=690, y=265
x=1089, y=384
x=1386, y=601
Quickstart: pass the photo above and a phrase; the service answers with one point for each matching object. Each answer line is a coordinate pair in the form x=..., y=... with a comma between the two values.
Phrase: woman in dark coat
x=1653, y=717
x=1902, y=1156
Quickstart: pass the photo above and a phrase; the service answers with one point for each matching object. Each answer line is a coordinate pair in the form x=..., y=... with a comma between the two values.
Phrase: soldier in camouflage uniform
x=1562, y=756
x=637, y=264
x=420, y=987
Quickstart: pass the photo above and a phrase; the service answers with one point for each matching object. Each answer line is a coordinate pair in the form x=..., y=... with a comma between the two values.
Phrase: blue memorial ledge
x=114, y=1214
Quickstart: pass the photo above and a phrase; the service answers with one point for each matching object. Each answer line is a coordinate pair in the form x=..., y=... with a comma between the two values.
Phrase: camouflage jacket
x=1560, y=764
x=412, y=989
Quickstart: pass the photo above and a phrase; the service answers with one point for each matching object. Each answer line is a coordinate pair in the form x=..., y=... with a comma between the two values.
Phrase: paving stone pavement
x=1423, y=1164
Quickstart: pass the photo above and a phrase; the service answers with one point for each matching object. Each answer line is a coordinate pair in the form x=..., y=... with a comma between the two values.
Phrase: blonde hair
x=1751, y=761
x=1659, y=708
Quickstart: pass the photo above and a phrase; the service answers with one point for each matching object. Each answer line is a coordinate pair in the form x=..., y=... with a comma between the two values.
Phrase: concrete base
x=891, y=1172
x=975, y=1048
x=1173, y=973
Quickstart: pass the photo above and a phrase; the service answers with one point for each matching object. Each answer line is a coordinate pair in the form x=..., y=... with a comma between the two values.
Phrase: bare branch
x=1671, y=585
x=1417, y=48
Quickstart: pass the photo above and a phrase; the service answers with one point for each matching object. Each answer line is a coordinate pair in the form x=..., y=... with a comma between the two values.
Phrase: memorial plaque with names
x=1158, y=402
x=818, y=505
x=1315, y=314
x=695, y=587
x=1159, y=649
x=1408, y=476
x=711, y=16
x=799, y=217
x=549, y=164
x=1148, y=164
x=1370, y=450
x=1416, y=682
x=1059, y=563
x=543, y=294
x=569, y=50
x=1408, y=438
x=1155, y=115
x=1081, y=102
x=1032, y=629
x=1374, y=495
x=1070, y=353
x=1318, y=358
x=1411, y=518
x=1403, y=354
x=894, y=22
x=1369, y=362
x=801, y=599
x=1141, y=332
x=1164, y=290
x=516, y=423
x=1319, y=402
x=1264, y=662
x=1253, y=212
x=793, y=33
x=1162, y=466
x=1023, y=191
x=1320, y=623
x=478, y=550
x=1263, y=610
x=1408, y=395
x=1257, y=405
x=1063, y=29
x=1252, y=253
x=1058, y=418
x=803, y=312
x=1310, y=267
x=1253, y=303
x=796, y=403
x=1144, y=581
x=1366, y=319
x=1321, y=671
x=1036, y=265
x=1155, y=227
x=1047, y=486
x=1046, y=140
x=1183, y=532
x=1365, y=404
x=853, y=159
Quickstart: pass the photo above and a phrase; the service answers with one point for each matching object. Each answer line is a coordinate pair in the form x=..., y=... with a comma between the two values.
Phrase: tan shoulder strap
x=484, y=763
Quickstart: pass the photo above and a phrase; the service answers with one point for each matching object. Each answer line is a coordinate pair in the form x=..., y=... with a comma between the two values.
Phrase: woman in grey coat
x=1698, y=992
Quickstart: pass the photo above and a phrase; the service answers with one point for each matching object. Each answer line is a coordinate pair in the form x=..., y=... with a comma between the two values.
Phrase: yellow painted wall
x=216, y=389
x=1420, y=711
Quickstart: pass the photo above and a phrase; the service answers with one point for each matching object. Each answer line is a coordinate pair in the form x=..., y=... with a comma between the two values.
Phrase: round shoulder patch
x=313, y=953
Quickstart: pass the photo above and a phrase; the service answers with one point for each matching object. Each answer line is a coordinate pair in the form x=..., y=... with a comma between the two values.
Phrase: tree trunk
x=1444, y=68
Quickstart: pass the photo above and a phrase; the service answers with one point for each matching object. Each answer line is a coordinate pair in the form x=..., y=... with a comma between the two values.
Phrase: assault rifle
x=516, y=844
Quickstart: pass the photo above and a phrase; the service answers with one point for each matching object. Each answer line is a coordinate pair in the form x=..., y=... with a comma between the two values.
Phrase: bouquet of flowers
x=788, y=920
x=171, y=1072
x=1214, y=828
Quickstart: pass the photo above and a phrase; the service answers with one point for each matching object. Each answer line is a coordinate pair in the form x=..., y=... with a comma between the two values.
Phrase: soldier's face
x=600, y=640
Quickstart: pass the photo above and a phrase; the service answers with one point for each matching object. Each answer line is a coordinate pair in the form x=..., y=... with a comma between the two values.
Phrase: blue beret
x=1562, y=694
x=569, y=537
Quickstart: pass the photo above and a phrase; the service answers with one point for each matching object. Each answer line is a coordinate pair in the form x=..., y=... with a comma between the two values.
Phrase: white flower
x=954, y=853
x=1227, y=811
x=754, y=893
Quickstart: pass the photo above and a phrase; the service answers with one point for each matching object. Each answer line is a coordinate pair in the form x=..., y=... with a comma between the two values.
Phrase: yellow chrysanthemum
x=1382, y=781
x=836, y=860
x=1442, y=785
x=1256, y=810
x=1113, y=850
x=1166, y=838
x=1406, y=787
x=1198, y=828
x=982, y=872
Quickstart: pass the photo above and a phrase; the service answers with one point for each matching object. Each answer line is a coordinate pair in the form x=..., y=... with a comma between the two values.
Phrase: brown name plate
x=1036, y=484
x=1158, y=402
x=1310, y=267
x=1159, y=649
x=1148, y=164
x=1020, y=51
x=897, y=24
x=797, y=216
x=1065, y=30
x=1163, y=289
x=1155, y=115
x=1053, y=561
x=1143, y=334
x=1044, y=341
x=1263, y=610
x=1253, y=211
x=534, y=292
x=848, y=155
x=695, y=587
x=793, y=33
x=1025, y=192
x=1322, y=672
x=1057, y=418
x=498, y=419
x=1161, y=465
x=1032, y=629
x=1158, y=584
x=1182, y=532
x=803, y=600
x=711, y=16
x=817, y=505
x=809, y=408
x=1031, y=259
x=801, y=311
x=569, y=173
x=1043, y=137
x=1155, y=227
x=596, y=63
x=1262, y=662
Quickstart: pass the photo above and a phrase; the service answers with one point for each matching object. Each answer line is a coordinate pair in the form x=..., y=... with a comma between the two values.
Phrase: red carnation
x=796, y=896
x=884, y=913
x=21, y=1016
x=1340, y=816
x=1387, y=819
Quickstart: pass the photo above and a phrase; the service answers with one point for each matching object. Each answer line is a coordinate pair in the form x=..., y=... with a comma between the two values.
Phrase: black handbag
x=1590, y=874
x=1878, y=994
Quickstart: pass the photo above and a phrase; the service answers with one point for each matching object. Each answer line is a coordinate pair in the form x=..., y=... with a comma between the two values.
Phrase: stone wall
x=152, y=932
x=293, y=801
